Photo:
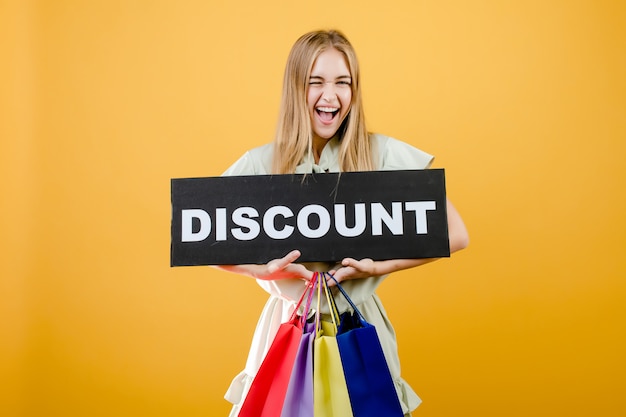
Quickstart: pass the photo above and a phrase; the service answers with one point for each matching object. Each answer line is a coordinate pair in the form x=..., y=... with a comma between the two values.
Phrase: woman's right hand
x=281, y=268
x=285, y=268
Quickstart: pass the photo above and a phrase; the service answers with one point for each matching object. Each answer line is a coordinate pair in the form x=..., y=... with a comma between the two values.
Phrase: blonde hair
x=294, y=137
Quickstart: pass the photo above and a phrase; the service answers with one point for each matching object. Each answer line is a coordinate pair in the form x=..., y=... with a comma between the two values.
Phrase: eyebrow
x=319, y=77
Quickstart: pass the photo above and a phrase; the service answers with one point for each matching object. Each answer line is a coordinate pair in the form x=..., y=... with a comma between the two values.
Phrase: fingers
x=286, y=267
x=332, y=282
x=293, y=255
x=278, y=264
x=349, y=262
x=339, y=275
x=352, y=268
x=304, y=274
x=363, y=265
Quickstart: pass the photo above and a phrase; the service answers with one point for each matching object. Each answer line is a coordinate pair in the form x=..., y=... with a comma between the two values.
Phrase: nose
x=329, y=92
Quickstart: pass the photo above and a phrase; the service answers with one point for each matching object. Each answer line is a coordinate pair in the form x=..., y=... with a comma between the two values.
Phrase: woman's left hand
x=352, y=269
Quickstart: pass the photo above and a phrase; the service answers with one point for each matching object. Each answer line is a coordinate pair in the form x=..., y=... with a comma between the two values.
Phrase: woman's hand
x=282, y=268
x=285, y=268
x=365, y=268
x=353, y=269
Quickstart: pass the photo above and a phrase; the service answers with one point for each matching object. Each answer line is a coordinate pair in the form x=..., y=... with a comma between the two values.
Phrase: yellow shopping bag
x=330, y=392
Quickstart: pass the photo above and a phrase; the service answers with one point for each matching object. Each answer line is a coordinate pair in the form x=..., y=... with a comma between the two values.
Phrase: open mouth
x=327, y=114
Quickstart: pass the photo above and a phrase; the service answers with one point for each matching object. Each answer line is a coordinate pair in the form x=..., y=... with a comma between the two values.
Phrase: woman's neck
x=318, y=146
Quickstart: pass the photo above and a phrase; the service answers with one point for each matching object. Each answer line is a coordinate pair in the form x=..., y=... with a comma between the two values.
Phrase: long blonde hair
x=294, y=137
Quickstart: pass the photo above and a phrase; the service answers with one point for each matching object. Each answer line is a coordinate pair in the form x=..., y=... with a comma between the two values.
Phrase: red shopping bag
x=269, y=387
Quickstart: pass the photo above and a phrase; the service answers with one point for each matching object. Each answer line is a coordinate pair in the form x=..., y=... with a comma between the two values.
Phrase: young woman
x=322, y=129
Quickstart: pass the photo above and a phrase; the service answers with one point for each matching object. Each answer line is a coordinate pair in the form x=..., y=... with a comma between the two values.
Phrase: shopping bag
x=368, y=379
x=330, y=393
x=269, y=387
x=299, y=398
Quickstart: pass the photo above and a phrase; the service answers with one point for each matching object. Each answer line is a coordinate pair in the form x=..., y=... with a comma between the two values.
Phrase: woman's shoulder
x=256, y=161
x=262, y=153
x=395, y=154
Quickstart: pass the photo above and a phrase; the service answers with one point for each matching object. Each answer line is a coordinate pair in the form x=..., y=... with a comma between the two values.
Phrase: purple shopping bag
x=299, y=398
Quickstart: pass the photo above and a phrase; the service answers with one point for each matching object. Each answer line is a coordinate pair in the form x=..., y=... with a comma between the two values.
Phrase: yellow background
x=102, y=102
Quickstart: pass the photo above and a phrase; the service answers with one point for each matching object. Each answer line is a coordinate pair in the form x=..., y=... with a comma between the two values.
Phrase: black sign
x=328, y=217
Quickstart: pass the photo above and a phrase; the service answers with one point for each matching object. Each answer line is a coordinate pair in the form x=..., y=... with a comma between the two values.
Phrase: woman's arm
x=352, y=268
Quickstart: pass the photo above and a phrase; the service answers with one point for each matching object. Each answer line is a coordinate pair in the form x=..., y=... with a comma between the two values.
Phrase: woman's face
x=329, y=93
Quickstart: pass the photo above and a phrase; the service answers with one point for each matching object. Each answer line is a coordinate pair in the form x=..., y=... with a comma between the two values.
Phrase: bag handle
x=311, y=289
x=332, y=305
x=348, y=299
x=334, y=312
x=318, y=324
x=299, y=303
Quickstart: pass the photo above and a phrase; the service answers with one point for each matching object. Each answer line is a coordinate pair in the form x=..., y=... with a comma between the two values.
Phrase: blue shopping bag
x=370, y=385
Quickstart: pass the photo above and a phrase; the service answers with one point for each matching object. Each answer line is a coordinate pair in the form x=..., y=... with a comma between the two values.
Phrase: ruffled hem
x=237, y=392
x=408, y=398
